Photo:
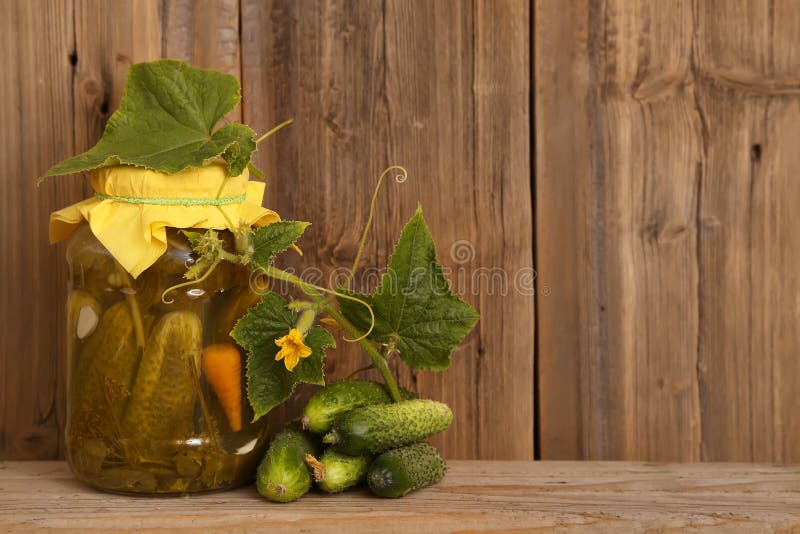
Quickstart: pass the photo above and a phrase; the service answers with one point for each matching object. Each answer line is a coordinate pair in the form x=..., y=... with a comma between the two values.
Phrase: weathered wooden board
x=748, y=92
x=434, y=87
x=616, y=245
x=204, y=33
x=666, y=146
x=473, y=497
x=37, y=128
x=665, y=137
x=109, y=38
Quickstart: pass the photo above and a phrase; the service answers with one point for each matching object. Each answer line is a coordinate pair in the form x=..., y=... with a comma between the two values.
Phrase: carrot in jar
x=222, y=367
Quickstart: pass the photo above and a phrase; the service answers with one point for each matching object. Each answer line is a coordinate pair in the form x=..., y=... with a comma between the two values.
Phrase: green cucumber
x=162, y=401
x=104, y=372
x=341, y=397
x=283, y=475
x=400, y=471
x=374, y=429
x=335, y=472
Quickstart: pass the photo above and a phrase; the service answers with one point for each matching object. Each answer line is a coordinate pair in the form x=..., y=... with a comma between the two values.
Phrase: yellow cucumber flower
x=292, y=349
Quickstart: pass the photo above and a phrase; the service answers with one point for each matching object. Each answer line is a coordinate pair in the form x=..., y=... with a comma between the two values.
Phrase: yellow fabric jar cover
x=132, y=224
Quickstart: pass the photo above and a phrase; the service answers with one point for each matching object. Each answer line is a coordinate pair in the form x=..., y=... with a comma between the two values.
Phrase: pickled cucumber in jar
x=161, y=407
x=102, y=375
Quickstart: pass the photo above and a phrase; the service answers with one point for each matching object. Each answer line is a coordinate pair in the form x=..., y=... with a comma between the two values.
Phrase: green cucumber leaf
x=269, y=383
x=165, y=122
x=273, y=238
x=413, y=305
x=239, y=144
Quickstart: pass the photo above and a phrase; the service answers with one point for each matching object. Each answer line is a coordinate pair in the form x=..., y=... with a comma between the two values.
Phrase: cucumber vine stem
x=369, y=348
x=275, y=129
x=328, y=307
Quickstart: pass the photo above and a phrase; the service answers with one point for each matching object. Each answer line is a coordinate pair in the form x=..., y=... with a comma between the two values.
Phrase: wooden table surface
x=475, y=496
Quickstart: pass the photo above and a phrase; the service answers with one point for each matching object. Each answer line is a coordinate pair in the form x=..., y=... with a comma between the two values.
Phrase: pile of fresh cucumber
x=368, y=437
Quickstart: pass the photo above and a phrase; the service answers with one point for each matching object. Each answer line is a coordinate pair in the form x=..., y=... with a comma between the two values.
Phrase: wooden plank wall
x=37, y=126
x=659, y=141
x=430, y=85
x=667, y=194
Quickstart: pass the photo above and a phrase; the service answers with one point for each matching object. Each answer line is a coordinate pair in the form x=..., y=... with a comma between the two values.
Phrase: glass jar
x=142, y=416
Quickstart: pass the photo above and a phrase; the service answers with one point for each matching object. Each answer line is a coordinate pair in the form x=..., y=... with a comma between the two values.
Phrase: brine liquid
x=141, y=416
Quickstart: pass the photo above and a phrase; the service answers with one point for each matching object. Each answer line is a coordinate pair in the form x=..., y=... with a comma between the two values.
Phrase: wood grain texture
x=665, y=148
x=204, y=33
x=109, y=38
x=503, y=214
x=665, y=229
x=747, y=63
x=473, y=497
x=616, y=236
x=36, y=117
x=416, y=84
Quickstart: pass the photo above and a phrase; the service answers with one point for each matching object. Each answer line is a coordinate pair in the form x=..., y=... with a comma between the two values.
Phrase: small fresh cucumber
x=283, y=475
x=374, y=429
x=335, y=472
x=401, y=471
x=340, y=397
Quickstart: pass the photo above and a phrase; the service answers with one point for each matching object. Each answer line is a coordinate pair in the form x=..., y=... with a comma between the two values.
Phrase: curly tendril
x=354, y=299
x=189, y=283
x=371, y=316
x=400, y=177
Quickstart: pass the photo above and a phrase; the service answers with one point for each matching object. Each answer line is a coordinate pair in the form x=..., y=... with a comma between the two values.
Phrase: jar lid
x=132, y=208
